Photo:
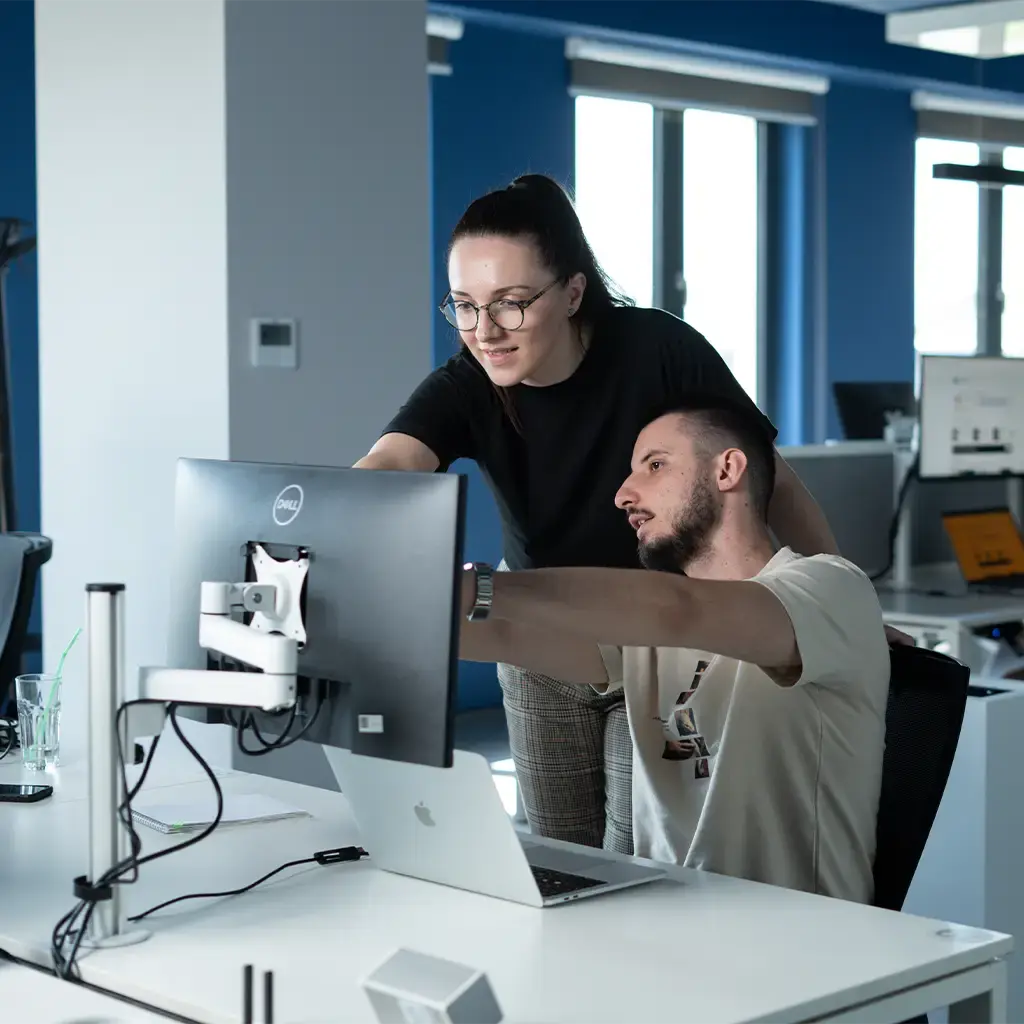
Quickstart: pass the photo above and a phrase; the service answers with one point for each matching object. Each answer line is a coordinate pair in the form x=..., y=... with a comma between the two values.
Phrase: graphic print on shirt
x=689, y=745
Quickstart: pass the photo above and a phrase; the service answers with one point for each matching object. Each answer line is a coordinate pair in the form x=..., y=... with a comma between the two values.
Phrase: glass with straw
x=39, y=701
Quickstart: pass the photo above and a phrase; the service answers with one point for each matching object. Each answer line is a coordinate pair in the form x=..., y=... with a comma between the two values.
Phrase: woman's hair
x=536, y=207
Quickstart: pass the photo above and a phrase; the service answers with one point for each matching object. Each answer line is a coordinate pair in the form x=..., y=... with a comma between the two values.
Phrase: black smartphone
x=24, y=794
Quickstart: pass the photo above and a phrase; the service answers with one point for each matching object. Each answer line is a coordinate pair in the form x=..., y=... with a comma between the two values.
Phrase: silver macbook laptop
x=449, y=825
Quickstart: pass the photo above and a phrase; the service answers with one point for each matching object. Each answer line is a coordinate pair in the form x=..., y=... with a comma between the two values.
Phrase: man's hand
x=638, y=608
x=894, y=636
x=554, y=652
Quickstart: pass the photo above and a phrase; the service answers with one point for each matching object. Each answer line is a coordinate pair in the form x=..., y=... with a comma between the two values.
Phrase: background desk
x=30, y=996
x=698, y=947
x=940, y=614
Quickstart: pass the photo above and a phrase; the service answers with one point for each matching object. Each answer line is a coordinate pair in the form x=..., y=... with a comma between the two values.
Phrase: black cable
x=66, y=967
x=894, y=523
x=124, y=808
x=172, y=714
x=293, y=714
x=76, y=921
x=345, y=853
x=282, y=741
x=7, y=726
x=66, y=927
x=62, y=930
x=90, y=908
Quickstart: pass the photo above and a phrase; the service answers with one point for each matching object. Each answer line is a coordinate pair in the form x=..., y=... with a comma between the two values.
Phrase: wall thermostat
x=274, y=343
x=414, y=988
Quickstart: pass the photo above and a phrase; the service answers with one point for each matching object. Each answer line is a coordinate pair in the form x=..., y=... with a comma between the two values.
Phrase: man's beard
x=691, y=533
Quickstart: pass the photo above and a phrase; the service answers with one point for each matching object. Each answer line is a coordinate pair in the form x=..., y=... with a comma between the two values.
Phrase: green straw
x=56, y=683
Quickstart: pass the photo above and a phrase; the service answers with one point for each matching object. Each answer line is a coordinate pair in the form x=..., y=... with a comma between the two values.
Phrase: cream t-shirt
x=735, y=774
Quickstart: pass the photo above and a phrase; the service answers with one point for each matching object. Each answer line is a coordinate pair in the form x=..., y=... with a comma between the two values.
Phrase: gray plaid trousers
x=573, y=756
x=574, y=759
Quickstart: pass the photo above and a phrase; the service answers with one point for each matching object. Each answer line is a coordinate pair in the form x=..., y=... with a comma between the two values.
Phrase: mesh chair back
x=37, y=552
x=927, y=697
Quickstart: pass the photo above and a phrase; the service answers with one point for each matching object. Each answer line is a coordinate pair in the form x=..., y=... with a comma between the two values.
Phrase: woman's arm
x=795, y=517
x=399, y=451
x=696, y=367
x=432, y=428
x=797, y=521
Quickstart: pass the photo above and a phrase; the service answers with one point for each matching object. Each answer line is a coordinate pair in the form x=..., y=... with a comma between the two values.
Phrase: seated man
x=755, y=684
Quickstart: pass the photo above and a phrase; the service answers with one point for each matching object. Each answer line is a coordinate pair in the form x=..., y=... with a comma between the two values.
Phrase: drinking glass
x=38, y=699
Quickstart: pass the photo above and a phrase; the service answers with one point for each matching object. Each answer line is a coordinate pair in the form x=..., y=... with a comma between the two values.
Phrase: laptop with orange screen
x=988, y=548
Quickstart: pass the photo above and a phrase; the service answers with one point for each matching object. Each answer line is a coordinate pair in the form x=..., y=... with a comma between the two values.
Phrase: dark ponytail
x=535, y=206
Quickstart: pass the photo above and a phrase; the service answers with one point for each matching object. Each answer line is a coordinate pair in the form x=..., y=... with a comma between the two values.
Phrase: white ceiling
x=891, y=6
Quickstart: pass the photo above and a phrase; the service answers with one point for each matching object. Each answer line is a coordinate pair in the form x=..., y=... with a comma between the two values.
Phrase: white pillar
x=202, y=164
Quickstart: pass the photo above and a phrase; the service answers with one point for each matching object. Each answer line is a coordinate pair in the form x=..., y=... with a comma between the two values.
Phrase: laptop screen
x=986, y=544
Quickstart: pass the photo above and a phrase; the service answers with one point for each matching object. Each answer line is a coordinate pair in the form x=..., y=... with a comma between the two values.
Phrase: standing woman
x=556, y=375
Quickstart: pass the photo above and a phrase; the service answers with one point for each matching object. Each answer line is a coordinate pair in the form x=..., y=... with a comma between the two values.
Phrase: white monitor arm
x=275, y=655
x=269, y=644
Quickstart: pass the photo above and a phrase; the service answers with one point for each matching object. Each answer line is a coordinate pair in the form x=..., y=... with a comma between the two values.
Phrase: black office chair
x=19, y=641
x=927, y=698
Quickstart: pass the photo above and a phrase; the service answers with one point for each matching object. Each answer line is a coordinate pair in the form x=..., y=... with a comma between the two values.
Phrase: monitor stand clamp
x=114, y=726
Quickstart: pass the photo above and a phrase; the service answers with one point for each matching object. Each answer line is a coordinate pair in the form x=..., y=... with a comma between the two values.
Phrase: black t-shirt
x=555, y=478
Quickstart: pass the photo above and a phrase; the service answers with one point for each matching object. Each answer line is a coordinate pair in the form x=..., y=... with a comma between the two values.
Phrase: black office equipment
x=927, y=699
x=862, y=406
x=380, y=598
x=37, y=552
x=13, y=245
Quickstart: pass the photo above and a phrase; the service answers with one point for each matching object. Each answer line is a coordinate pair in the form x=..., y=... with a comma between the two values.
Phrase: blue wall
x=794, y=34
x=867, y=139
x=505, y=111
x=18, y=199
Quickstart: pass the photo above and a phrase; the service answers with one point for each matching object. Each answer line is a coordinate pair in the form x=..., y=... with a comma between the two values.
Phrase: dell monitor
x=377, y=556
x=865, y=407
x=972, y=417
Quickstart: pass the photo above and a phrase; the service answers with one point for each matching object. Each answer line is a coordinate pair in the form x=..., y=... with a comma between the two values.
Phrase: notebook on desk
x=988, y=548
x=243, y=809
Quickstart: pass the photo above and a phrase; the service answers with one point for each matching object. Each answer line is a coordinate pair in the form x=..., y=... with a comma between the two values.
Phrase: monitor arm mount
x=269, y=645
x=274, y=655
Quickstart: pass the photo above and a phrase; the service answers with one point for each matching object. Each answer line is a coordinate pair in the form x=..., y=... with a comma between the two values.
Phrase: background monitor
x=855, y=484
x=971, y=417
x=381, y=597
x=862, y=406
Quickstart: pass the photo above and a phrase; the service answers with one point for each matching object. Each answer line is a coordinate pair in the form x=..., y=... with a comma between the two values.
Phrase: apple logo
x=423, y=813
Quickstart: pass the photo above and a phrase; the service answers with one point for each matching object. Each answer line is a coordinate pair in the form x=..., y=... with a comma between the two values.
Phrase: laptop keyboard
x=558, y=883
x=1013, y=582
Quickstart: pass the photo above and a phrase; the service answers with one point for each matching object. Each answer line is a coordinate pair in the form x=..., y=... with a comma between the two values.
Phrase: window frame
x=990, y=299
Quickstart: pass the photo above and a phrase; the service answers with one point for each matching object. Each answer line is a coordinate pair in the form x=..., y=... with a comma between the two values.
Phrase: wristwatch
x=484, y=598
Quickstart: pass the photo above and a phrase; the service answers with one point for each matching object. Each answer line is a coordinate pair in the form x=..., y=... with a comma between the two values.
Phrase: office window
x=1013, y=258
x=720, y=235
x=615, y=189
x=945, y=252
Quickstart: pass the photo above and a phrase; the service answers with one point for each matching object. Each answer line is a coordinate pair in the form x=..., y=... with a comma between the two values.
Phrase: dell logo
x=287, y=505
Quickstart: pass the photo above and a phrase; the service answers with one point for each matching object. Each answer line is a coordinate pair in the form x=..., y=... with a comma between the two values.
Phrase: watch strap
x=484, y=599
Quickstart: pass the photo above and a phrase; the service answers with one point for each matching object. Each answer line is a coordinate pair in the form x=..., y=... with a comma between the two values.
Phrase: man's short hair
x=719, y=424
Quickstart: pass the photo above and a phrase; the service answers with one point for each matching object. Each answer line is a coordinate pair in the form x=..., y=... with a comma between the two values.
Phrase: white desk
x=28, y=994
x=70, y=781
x=940, y=614
x=698, y=948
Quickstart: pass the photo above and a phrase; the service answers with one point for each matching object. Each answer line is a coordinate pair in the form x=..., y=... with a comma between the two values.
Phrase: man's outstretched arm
x=552, y=620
